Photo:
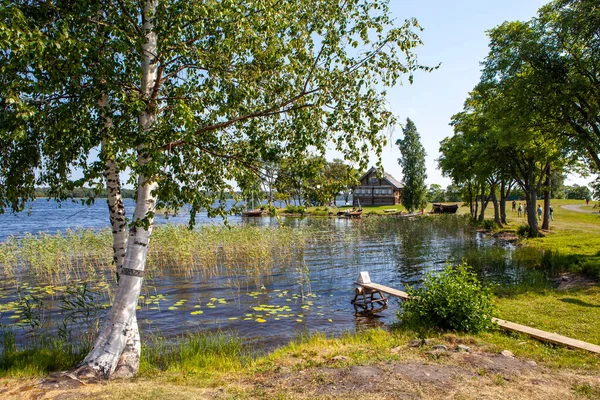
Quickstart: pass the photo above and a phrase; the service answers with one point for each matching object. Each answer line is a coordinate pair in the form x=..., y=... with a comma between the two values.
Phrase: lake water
x=309, y=293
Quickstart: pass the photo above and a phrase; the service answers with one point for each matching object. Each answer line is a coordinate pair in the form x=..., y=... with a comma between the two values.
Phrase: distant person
x=525, y=210
x=520, y=213
x=587, y=202
x=514, y=206
x=551, y=213
x=540, y=211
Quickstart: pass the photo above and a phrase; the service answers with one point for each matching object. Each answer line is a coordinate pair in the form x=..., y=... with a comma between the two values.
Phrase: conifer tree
x=412, y=161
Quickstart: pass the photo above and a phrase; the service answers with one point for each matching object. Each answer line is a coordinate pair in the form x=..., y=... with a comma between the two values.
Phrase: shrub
x=489, y=224
x=295, y=210
x=453, y=299
x=523, y=230
x=321, y=212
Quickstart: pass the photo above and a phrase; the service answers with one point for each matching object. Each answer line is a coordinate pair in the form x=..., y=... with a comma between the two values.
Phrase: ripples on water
x=312, y=292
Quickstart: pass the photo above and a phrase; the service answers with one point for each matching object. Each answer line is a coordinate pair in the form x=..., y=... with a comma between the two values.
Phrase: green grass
x=572, y=313
x=39, y=358
x=200, y=354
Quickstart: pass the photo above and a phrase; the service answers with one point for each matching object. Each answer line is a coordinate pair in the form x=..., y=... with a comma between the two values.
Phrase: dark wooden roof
x=393, y=181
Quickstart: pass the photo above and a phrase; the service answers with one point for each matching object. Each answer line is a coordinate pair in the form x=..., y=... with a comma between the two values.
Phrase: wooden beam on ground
x=506, y=325
x=546, y=336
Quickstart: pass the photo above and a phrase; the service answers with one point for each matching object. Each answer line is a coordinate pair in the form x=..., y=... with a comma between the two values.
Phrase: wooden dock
x=506, y=325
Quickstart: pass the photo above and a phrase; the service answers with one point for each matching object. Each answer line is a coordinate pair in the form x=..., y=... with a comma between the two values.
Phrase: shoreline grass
x=209, y=249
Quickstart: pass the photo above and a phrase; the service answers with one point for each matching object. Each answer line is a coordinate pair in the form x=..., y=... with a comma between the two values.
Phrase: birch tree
x=186, y=96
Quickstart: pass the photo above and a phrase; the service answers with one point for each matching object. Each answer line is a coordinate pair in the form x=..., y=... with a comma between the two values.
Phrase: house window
x=373, y=180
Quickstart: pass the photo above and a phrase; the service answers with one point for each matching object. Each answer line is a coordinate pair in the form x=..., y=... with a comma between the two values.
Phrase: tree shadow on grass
x=578, y=302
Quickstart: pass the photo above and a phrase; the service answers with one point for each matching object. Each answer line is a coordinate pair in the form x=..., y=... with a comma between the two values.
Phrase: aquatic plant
x=211, y=250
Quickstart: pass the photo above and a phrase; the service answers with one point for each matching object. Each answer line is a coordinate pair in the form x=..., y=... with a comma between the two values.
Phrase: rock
x=428, y=342
x=507, y=353
x=531, y=363
x=396, y=350
x=462, y=347
x=415, y=343
x=340, y=358
x=440, y=347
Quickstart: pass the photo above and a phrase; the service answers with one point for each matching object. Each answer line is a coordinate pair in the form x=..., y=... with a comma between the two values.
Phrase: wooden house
x=375, y=190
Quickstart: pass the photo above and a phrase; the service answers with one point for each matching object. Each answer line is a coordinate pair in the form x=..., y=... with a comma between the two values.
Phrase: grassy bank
x=375, y=363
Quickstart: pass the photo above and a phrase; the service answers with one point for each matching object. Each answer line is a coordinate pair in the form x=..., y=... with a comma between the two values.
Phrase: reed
x=210, y=250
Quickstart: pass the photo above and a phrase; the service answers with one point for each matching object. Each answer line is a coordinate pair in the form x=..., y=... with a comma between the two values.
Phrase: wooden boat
x=355, y=214
x=445, y=208
x=350, y=214
x=258, y=212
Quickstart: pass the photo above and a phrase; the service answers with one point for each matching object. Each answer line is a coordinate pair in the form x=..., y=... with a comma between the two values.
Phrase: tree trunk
x=129, y=361
x=531, y=198
x=484, y=203
x=504, y=193
x=547, y=194
x=496, y=208
x=116, y=351
x=475, y=208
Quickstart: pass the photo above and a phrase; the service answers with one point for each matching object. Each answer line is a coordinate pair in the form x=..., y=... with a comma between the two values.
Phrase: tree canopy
x=189, y=97
x=535, y=110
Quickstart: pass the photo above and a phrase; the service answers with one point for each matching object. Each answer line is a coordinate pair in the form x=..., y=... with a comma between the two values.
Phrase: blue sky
x=455, y=36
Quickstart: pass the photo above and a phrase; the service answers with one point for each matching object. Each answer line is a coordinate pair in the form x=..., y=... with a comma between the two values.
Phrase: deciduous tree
x=186, y=95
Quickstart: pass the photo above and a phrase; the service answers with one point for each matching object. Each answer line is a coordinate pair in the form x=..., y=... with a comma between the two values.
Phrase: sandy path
x=577, y=207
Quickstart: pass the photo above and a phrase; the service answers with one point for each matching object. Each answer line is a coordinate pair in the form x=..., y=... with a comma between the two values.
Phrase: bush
x=523, y=230
x=453, y=299
x=295, y=210
x=489, y=224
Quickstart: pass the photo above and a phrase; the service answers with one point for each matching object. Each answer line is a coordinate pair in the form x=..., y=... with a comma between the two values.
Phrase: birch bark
x=117, y=348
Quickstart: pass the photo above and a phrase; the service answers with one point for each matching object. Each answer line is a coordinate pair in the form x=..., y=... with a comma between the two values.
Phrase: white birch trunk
x=118, y=342
x=129, y=361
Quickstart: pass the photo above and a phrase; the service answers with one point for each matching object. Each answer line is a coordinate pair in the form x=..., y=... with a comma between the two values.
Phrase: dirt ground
x=437, y=374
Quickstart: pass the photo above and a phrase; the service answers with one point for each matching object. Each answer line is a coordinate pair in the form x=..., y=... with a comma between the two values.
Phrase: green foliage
x=489, y=224
x=577, y=192
x=320, y=212
x=238, y=86
x=523, y=230
x=435, y=194
x=453, y=299
x=412, y=161
x=295, y=210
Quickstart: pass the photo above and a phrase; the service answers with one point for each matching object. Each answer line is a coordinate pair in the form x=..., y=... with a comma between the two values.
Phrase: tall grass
x=198, y=352
x=211, y=250
x=39, y=357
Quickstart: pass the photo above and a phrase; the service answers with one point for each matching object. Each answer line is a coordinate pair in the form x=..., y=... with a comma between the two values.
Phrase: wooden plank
x=546, y=336
x=506, y=325
x=385, y=289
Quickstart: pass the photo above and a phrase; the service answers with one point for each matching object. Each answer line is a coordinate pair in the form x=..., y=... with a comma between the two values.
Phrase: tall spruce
x=412, y=161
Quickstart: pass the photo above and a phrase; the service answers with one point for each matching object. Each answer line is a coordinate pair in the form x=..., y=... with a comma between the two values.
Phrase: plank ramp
x=384, y=289
x=506, y=325
x=547, y=336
